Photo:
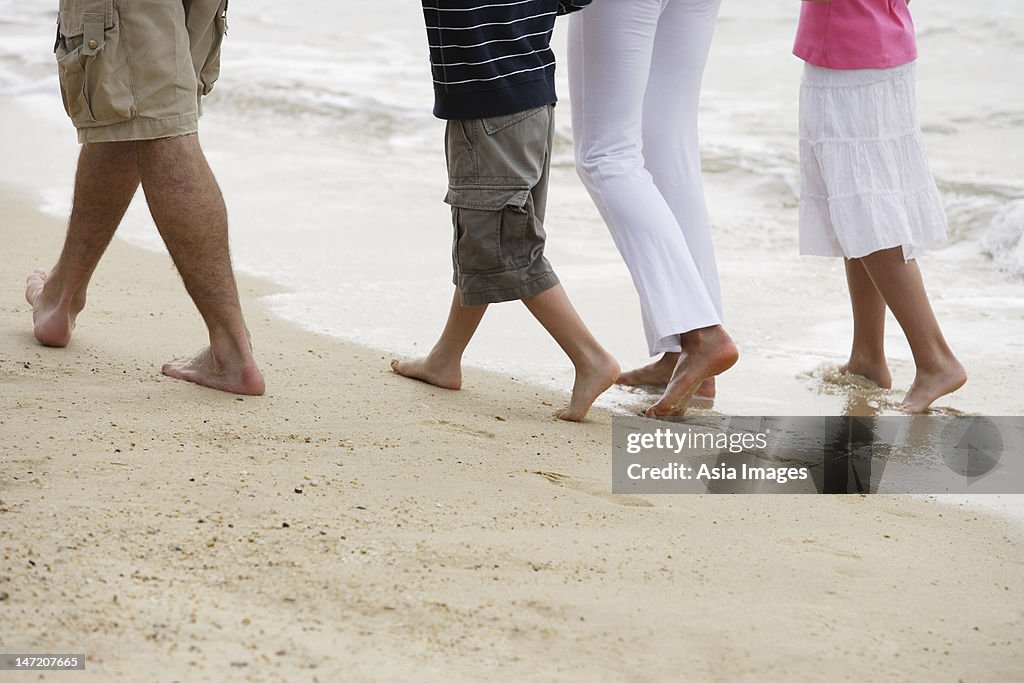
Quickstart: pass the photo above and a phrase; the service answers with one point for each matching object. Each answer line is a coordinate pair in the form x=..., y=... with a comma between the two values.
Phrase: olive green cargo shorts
x=497, y=188
x=136, y=69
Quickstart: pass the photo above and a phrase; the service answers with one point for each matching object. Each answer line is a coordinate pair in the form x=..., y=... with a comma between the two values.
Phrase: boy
x=493, y=74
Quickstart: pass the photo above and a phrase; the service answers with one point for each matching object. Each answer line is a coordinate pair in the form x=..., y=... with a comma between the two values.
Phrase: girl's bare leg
x=900, y=284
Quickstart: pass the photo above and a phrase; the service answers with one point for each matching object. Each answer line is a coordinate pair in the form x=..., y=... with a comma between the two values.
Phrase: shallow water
x=321, y=135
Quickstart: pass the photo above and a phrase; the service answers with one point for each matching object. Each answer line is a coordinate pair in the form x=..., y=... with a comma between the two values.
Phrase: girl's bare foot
x=53, y=319
x=238, y=377
x=876, y=371
x=658, y=374
x=592, y=380
x=931, y=384
x=441, y=374
x=707, y=352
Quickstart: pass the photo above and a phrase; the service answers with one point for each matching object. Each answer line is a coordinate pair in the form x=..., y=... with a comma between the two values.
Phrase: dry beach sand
x=158, y=527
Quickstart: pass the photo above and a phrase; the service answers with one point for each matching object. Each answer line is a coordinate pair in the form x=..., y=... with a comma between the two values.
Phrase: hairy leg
x=707, y=352
x=106, y=181
x=867, y=356
x=189, y=212
x=596, y=370
x=442, y=367
x=900, y=284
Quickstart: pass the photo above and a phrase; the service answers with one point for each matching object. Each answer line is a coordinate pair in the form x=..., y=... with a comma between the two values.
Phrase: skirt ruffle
x=865, y=180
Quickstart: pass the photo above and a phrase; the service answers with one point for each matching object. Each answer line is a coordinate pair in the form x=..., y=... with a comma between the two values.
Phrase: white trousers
x=635, y=71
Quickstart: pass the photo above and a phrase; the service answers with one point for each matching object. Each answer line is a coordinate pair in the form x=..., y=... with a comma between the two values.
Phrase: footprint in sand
x=592, y=489
x=461, y=429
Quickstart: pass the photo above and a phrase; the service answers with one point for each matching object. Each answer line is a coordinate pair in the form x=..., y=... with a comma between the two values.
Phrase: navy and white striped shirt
x=492, y=57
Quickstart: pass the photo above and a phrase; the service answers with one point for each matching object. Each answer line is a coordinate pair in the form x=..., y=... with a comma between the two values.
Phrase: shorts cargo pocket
x=209, y=72
x=490, y=229
x=95, y=78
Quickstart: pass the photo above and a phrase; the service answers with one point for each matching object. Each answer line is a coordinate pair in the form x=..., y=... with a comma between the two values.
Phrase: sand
x=355, y=525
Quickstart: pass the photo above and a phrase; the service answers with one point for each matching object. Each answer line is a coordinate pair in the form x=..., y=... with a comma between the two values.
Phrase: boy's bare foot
x=931, y=384
x=707, y=352
x=53, y=319
x=875, y=371
x=241, y=377
x=429, y=370
x=659, y=373
x=591, y=381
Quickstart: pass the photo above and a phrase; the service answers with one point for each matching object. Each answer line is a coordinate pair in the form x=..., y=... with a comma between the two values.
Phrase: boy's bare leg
x=707, y=352
x=900, y=284
x=442, y=367
x=596, y=370
x=106, y=181
x=867, y=356
x=189, y=212
x=659, y=373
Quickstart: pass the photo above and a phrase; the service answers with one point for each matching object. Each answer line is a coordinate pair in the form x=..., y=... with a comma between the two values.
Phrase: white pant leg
x=612, y=45
x=671, y=142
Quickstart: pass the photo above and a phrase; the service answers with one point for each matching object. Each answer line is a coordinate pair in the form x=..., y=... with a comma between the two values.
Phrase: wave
x=991, y=216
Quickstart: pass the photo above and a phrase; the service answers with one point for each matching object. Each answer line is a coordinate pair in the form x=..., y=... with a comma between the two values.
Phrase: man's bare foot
x=658, y=374
x=931, y=384
x=591, y=381
x=707, y=352
x=875, y=371
x=430, y=370
x=243, y=377
x=53, y=319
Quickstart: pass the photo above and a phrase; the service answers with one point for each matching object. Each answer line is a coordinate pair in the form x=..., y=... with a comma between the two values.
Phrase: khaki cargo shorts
x=497, y=188
x=136, y=69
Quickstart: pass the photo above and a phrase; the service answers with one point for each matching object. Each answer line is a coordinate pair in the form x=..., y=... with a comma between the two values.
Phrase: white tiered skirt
x=865, y=181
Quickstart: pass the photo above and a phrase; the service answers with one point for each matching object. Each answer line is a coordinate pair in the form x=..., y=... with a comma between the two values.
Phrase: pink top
x=855, y=34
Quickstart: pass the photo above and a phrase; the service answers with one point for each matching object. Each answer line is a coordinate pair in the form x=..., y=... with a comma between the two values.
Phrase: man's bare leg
x=900, y=284
x=442, y=367
x=596, y=370
x=867, y=356
x=707, y=352
x=106, y=181
x=189, y=212
x=659, y=373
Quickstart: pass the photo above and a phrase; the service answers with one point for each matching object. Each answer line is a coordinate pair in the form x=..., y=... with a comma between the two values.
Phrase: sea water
x=332, y=166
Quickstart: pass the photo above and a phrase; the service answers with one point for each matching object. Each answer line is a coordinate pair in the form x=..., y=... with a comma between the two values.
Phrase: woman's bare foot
x=53, y=319
x=658, y=374
x=932, y=383
x=237, y=377
x=442, y=374
x=592, y=380
x=707, y=352
x=876, y=371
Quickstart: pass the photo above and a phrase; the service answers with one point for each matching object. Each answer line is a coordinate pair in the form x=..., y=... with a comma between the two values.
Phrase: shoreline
x=156, y=525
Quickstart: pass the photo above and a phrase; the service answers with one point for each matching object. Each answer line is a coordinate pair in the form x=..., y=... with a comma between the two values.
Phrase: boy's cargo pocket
x=491, y=227
x=498, y=123
x=95, y=78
